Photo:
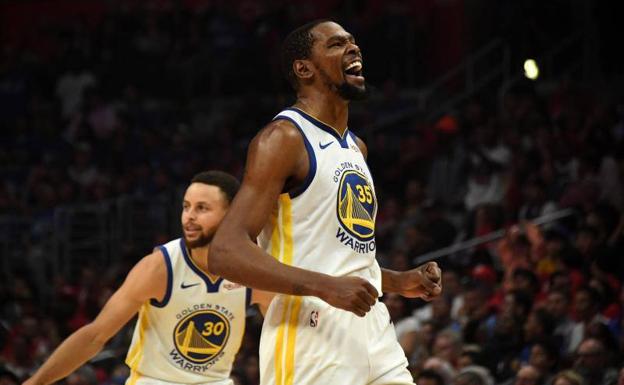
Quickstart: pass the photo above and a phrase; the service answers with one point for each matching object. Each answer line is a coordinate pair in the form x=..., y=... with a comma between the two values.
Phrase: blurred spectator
x=429, y=377
x=418, y=346
x=545, y=358
x=473, y=375
x=536, y=203
x=470, y=355
x=528, y=375
x=474, y=313
x=587, y=304
x=525, y=280
x=442, y=367
x=568, y=377
x=566, y=330
x=447, y=347
x=592, y=362
x=446, y=182
x=538, y=327
x=71, y=86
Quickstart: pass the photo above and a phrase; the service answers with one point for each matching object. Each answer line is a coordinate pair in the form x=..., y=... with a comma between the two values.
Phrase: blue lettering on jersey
x=357, y=246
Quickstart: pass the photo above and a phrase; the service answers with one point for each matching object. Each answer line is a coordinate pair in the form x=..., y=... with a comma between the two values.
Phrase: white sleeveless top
x=327, y=224
x=193, y=335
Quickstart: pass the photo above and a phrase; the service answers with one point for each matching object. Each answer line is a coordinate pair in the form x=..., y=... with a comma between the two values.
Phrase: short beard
x=346, y=90
x=203, y=240
x=353, y=93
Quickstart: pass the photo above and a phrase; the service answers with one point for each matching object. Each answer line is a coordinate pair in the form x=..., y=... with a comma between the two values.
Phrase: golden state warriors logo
x=202, y=335
x=356, y=205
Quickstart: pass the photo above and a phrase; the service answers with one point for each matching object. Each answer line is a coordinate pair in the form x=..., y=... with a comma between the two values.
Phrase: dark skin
x=277, y=161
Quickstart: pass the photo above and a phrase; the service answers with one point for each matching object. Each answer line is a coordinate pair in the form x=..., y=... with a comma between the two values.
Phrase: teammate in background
x=309, y=197
x=190, y=323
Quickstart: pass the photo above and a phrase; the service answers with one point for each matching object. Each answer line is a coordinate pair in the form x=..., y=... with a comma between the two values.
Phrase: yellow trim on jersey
x=292, y=336
x=134, y=377
x=136, y=353
x=282, y=249
x=209, y=276
x=279, y=344
x=287, y=228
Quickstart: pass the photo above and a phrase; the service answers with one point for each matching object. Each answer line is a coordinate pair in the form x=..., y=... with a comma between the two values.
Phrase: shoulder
x=151, y=266
x=361, y=145
x=148, y=278
x=280, y=131
x=277, y=149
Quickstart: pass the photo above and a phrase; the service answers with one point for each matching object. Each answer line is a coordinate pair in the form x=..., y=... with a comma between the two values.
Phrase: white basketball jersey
x=327, y=224
x=193, y=335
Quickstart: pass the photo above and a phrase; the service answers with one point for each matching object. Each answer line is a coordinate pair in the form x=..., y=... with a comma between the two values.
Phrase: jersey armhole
x=295, y=192
x=165, y=300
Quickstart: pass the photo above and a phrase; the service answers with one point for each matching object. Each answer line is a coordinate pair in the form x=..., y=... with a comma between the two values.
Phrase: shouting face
x=336, y=62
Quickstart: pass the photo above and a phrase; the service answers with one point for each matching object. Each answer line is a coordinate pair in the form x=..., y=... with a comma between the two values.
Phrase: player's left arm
x=424, y=282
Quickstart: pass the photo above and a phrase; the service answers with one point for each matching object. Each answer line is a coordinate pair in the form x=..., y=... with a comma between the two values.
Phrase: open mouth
x=354, y=71
x=192, y=230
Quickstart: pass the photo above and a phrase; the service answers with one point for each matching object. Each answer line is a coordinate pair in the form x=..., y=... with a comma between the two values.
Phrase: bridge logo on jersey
x=356, y=205
x=201, y=336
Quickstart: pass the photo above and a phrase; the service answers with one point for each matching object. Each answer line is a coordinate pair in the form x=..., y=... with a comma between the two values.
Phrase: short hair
x=546, y=320
x=556, y=274
x=297, y=46
x=596, y=298
x=571, y=376
x=432, y=375
x=477, y=374
x=227, y=183
x=562, y=292
x=474, y=352
x=551, y=347
x=522, y=299
x=528, y=274
x=453, y=336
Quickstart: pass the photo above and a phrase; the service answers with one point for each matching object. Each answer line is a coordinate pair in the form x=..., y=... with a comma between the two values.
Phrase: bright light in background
x=531, y=70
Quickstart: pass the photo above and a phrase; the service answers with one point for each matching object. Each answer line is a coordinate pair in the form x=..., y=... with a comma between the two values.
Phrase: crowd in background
x=132, y=101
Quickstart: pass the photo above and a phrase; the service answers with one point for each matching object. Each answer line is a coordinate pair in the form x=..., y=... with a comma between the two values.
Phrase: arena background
x=107, y=108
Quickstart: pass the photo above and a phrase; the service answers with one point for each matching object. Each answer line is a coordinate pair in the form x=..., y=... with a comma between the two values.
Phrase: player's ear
x=303, y=69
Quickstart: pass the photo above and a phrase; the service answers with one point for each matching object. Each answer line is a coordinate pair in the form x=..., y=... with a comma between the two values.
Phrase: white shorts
x=305, y=341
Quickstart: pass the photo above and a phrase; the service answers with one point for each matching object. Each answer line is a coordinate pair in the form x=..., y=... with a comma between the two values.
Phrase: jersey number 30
x=211, y=328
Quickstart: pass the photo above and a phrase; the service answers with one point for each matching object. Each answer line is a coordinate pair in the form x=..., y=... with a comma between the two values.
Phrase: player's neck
x=329, y=109
x=200, y=256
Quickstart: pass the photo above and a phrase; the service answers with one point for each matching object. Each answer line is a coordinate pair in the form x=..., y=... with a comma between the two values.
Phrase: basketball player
x=309, y=197
x=190, y=323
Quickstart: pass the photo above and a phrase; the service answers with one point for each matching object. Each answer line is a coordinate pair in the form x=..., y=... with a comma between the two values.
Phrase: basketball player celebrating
x=308, y=197
x=190, y=323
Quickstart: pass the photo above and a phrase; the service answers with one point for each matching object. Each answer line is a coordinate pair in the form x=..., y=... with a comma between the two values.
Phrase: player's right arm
x=276, y=158
x=146, y=280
